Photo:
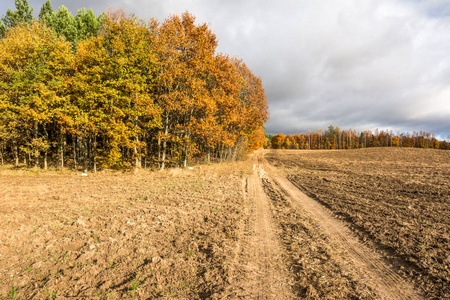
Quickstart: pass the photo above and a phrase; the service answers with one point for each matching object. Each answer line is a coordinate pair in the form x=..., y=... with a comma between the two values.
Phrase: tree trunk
x=166, y=131
x=74, y=142
x=159, y=150
x=45, y=160
x=36, y=151
x=16, y=156
x=1, y=153
x=61, y=150
x=221, y=154
x=146, y=151
x=46, y=148
x=137, y=157
x=85, y=155
x=350, y=140
x=89, y=151
x=95, y=153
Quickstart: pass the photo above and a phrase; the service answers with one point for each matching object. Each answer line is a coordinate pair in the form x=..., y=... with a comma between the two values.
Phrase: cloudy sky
x=360, y=64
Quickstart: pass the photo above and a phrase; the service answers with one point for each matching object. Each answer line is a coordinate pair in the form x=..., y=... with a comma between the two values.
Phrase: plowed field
x=397, y=200
x=237, y=230
x=115, y=236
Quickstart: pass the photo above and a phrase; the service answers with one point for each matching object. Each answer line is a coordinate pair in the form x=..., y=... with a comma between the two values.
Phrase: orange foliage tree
x=133, y=93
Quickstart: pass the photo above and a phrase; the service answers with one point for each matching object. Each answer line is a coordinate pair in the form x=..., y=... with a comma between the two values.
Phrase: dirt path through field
x=266, y=273
x=369, y=265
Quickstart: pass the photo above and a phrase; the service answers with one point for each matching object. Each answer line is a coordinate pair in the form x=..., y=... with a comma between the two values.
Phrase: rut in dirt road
x=367, y=263
x=261, y=254
x=272, y=274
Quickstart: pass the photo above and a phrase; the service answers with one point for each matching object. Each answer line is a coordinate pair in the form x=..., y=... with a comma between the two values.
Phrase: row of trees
x=117, y=92
x=336, y=138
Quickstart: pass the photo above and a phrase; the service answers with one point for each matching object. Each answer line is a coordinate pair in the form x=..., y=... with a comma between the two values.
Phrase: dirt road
x=369, y=264
x=261, y=255
x=292, y=248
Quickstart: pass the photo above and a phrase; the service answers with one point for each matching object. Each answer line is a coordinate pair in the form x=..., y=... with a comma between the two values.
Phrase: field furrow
x=362, y=224
x=395, y=199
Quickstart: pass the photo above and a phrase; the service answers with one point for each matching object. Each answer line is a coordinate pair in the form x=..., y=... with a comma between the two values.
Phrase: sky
x=356, y=64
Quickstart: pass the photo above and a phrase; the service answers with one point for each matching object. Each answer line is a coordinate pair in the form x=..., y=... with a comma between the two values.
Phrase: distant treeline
x=113, y=91
x=335, y=138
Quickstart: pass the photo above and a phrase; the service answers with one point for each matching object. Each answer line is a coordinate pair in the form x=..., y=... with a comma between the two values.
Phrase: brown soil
x=261, y=255
x=394, y=199
x=364, y=262
x=113, y=236
x=320, y=270
x=237, y=230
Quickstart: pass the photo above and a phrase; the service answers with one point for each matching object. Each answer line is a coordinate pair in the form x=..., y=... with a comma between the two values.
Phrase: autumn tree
x=278, y=141
x=130, y=89
x=34, y=66
x=220, y=120
x=115, y=73
x=253, y=101
x=258, y=140
x=186, y=54
x=289, y=142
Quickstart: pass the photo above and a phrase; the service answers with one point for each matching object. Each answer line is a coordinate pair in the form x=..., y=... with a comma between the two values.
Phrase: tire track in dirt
x=370, y=265
x=272, y=275
x=261, y=257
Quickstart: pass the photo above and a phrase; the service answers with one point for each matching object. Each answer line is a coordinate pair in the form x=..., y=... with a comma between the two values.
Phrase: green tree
x=81, y=27
x=63, y=24
x=330, y=137
x=23, y=13
x=46, y=13
x=87, y=24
